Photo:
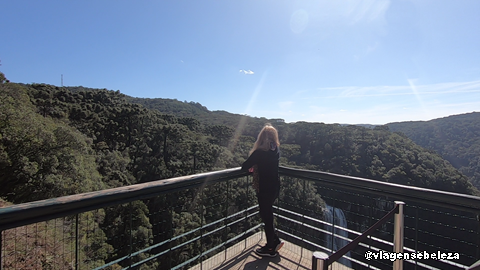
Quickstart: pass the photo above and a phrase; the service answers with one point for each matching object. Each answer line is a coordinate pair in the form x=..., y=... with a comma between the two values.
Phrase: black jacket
x=267, y=163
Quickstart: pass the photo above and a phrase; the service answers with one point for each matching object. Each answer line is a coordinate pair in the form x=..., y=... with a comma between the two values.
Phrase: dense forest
x=456, y=138
x=315, y=151
x=56, y=141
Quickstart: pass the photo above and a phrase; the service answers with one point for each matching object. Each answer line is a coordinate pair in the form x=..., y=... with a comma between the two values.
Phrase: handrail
x=423, y=195
x=321, y=261
x=37, y=211
x=337, y=255
x=32, y=212
x=28, y=213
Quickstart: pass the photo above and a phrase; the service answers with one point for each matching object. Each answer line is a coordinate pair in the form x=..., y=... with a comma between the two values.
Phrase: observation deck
x=210, y=221
x=242, y=257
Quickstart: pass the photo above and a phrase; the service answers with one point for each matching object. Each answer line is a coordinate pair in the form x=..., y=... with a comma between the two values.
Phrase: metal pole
x=249, y=186
x=416, y=235
x=77, y=248
x=170, y=243
x=478, y=235
x=1, y=249
x=319, y=261
x=333, y=228
x=303, y=213
x=131, y=236
x=398, y=235
x=226, y=215
x=201, y=230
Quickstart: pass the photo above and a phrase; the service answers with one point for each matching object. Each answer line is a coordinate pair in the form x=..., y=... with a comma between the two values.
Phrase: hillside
x=58, y=141
x=196, y=110
x=456, y=138
x=133, y=143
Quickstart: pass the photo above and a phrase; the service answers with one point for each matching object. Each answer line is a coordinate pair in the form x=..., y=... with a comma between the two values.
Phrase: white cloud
x=383, y=104
x=246, y=72
x=405, y=90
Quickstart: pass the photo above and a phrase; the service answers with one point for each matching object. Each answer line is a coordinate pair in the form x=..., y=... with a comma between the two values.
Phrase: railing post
x=1, y=249
x=416, y=233
x=77, y=244
x=303, y=213
x=245, y=203
x=398, y=234
x=130, y=206
x=333, y=228
x=319, y=261
x=478, y=234
x=170, y=243
x=201, y=230
x=225, y=235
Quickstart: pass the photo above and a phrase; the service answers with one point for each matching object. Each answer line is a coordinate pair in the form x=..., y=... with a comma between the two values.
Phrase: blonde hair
x=266, y=137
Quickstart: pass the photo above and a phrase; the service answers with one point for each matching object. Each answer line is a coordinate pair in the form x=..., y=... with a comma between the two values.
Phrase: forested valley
x=57, y=141
x=456, y=138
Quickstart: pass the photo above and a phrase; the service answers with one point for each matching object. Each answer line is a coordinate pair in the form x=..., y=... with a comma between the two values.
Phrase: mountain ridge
x=111, y=121
x=456, y=138
x=152, y=103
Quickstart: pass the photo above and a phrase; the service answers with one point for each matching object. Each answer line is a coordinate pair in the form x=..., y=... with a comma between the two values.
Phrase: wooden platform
x=242, y=257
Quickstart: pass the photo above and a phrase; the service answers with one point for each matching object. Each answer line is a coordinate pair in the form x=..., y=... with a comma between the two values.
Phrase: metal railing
x=178, y=222
x=436, y=223
x=321, y=260
x=166, y=224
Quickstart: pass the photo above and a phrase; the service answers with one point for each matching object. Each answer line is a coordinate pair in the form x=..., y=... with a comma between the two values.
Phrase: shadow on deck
x=242, y=256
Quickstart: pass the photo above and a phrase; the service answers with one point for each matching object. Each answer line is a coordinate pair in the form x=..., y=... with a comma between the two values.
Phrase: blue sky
x=342, y=61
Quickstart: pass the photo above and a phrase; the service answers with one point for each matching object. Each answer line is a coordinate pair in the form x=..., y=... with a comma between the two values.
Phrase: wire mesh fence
x=436, y=236
x=177, y=224
x=39, y=245
x=172, y=230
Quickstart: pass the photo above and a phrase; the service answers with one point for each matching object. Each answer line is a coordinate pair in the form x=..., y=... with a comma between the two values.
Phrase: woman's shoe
x=266, y=251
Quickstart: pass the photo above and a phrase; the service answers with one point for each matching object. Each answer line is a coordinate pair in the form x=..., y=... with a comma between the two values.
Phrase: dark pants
x=265, y=202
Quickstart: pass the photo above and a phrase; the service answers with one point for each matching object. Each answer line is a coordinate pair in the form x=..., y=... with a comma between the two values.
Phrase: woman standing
x=264, y=158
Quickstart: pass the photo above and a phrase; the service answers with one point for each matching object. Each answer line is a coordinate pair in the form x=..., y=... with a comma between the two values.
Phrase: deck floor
x=242, y=256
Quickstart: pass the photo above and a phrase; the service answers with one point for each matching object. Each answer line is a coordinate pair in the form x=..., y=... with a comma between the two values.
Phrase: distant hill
x=362, y=125
x=171, y=106
x=57, y=141
x=464, y=158
x=197, y=111
x=183, y=109
x=158, y=138
x=316, y=145
x=456, y=138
